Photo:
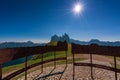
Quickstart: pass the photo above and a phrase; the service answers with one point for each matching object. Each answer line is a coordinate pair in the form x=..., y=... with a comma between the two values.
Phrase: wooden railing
x=92, y=50
x=10, y=54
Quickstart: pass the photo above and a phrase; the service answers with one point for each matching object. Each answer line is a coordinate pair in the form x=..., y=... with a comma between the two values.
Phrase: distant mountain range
x=65, y=37
x=19, y=44
x=96, y=41
x=56, y=38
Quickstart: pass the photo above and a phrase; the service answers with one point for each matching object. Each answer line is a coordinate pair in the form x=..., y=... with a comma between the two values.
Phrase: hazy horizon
x=48, y=40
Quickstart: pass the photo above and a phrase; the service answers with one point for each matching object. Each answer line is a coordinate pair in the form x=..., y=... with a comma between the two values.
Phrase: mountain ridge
x=65, y=37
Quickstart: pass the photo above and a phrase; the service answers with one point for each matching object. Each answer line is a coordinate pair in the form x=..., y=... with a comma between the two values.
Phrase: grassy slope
x=47, y=56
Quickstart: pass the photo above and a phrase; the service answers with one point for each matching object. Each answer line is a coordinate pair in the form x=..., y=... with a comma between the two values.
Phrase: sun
x=77, y=8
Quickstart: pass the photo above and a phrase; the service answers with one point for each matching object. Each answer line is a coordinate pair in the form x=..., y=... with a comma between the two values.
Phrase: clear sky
x=38, y=20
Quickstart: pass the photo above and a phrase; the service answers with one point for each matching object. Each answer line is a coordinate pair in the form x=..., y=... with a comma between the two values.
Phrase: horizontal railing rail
x=97, y=66
x=95, y=49
x=10, y=54
x=29, y=67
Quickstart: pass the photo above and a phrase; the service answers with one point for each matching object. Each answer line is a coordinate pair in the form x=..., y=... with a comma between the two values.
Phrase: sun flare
x=77, y=9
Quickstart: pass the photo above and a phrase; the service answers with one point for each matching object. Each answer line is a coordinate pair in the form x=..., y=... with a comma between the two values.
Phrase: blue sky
x=38, y=20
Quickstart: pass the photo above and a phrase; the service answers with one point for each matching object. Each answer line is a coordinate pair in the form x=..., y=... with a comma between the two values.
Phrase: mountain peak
x=30, y=42
x=94, y=41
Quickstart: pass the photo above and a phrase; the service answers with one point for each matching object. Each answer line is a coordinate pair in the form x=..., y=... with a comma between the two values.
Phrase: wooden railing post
x=73, y=67
x=66, y=58
x=115, y=65
x=91, y=66
x=42, y=63
x=0, y=71
x=26, y=68
x=54, y=59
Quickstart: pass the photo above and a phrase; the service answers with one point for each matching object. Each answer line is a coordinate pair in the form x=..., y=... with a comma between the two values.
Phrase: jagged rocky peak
x=56, y=38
